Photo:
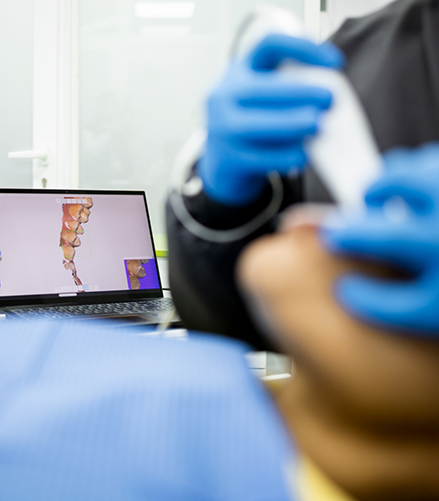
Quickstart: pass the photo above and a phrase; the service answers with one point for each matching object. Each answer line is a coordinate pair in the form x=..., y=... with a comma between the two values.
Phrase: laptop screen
x=66, y=244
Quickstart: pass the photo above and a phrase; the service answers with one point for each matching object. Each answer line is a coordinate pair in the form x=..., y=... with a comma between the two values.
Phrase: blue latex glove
x=258, y=119
x=401, y=226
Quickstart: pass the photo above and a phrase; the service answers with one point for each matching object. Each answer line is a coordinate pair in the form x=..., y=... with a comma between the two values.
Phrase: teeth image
x=76, y=242
x=73, y=215
x=83, y=218
x=135, y=284
x=69, y=252
x=68, y=237
x=71, y=225
x=75, y=211
x=89, y=203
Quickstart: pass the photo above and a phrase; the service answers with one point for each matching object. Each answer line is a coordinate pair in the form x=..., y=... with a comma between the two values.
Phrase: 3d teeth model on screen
x=76, y=212
x=136, y=271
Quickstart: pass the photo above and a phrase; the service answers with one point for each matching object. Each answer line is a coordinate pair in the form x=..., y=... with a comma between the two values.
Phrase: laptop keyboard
x=75, y=310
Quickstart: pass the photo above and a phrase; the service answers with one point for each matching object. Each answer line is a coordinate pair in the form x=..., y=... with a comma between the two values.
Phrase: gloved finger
x=276, y=48
x=417, y=192
x=403, y=159
x=273, y=93
x=403, y=304
x=271, y=125
x=420, y=190
x=262, y=160
x=245, y=170
x=409, y=245
x=398, y=159
x=427, y=152
x=419, y=187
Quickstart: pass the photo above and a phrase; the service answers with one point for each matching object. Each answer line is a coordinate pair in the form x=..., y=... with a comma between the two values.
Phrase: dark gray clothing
x=393, y=63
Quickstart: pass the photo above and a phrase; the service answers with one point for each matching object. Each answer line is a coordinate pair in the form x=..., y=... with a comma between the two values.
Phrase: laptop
x=79, y=255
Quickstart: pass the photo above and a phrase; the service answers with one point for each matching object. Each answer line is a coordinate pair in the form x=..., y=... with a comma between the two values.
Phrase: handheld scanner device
x=344, y=154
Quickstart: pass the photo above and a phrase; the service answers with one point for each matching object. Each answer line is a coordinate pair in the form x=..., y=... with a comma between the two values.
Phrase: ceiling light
x=164, y=10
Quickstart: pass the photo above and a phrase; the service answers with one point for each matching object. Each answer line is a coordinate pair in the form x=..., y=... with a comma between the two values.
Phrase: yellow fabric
x=314, y=485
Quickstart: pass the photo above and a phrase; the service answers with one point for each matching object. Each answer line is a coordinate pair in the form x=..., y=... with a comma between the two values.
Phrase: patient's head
x=364, y=403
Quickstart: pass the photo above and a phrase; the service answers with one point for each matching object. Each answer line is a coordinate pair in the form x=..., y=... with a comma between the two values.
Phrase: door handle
x=41, y=155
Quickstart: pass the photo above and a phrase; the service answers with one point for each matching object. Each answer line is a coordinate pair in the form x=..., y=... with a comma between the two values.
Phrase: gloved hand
x=401, y=226
x=258, y=118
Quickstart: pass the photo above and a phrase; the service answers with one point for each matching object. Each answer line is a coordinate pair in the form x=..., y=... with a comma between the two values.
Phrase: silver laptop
x=79, y=255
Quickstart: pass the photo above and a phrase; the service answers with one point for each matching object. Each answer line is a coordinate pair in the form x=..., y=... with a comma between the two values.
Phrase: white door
x=39, y=93
x=16, y=90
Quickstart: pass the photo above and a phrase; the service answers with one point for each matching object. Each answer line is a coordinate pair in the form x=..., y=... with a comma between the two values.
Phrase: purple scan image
x=141, y=274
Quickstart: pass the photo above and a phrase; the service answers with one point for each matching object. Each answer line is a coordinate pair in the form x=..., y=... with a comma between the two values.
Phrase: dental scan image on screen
x=75, y=213
x=55, y=244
